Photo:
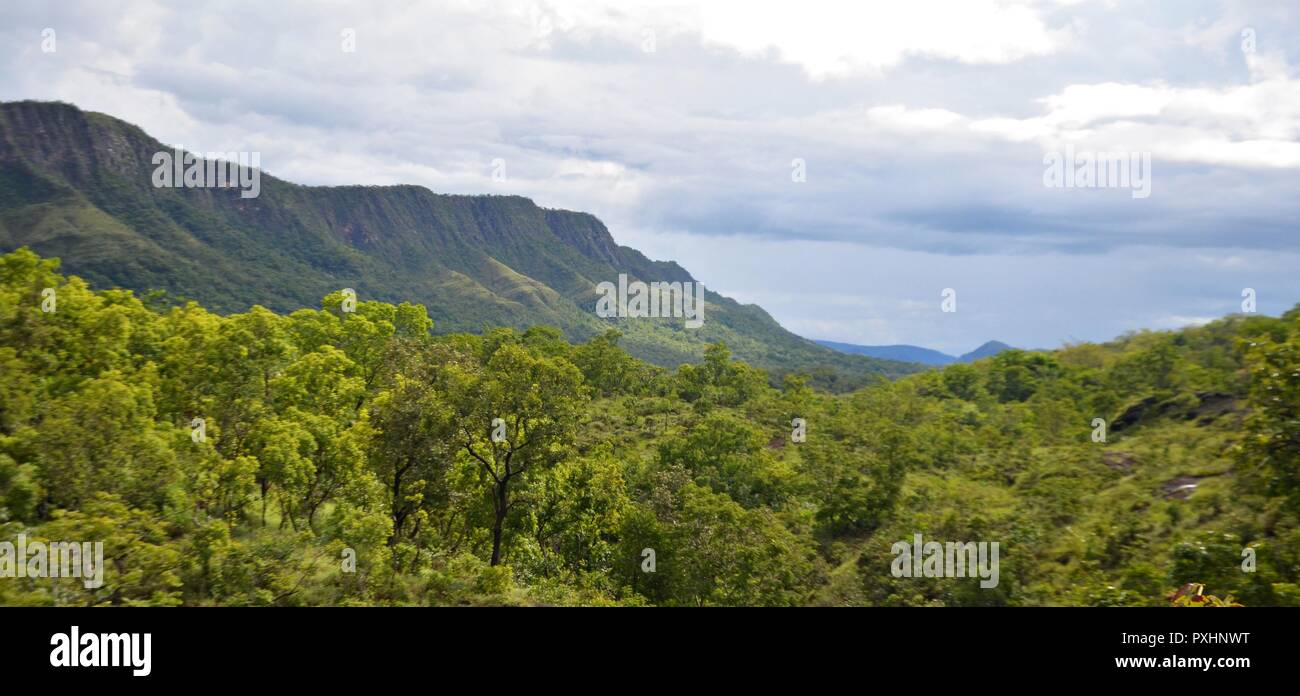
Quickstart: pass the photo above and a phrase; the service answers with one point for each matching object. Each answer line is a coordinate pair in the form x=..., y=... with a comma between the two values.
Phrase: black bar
x=956, y=646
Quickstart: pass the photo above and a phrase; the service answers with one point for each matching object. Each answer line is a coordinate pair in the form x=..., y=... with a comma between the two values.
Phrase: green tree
x=533, y=402
x=1271, y=451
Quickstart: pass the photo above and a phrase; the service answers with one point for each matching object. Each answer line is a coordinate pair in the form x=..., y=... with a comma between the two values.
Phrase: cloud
x=1253, y=126
x=832, y=39
x=1178, y=322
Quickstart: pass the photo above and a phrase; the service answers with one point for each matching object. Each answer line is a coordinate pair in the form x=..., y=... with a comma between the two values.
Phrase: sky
x=841, y=164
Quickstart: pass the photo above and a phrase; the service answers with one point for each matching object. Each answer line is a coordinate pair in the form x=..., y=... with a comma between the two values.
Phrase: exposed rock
x=1204, y=407
x=1180, y=487
x=1133, y=414
x=1212, y=405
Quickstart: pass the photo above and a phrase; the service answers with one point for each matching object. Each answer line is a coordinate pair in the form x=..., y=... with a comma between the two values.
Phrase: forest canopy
x=348, y=455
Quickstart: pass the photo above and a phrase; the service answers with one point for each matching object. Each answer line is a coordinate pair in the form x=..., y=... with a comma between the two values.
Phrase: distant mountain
x=917, y=354
x=77, y=185
x=988, y=350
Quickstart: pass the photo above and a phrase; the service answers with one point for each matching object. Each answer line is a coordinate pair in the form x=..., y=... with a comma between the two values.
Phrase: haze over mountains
x=77, y=185
x=917, y=354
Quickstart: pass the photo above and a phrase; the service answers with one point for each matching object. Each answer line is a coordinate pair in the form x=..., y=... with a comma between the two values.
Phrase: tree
x=606, y=367
x=727, y=454
x=1271, y=451
x=1014, y=375
x=102, y=438
x=140, y=567
x=515, y=413
x=578, y=506
x=719, y=380
x=962, y=381
x=411, y=451
x=724, y=554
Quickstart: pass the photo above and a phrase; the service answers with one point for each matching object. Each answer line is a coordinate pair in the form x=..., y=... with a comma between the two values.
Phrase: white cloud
x=1251, y=125
x=900, y=118
x=1179, y=322
x=830, y=38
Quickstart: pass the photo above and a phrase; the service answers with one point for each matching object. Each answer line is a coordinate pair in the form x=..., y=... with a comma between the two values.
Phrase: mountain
x=917, y=354
x=988, y=350
x=77, y=185
x=905, y=353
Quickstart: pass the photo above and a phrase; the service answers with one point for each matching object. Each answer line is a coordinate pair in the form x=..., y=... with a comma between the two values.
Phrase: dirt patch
x=1119, y=461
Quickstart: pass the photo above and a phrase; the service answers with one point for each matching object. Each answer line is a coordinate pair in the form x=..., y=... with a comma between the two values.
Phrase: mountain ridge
x=76, y=184
x=918, y=354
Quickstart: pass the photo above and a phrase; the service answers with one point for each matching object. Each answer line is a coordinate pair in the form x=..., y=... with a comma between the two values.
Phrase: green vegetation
x=350, y=458
x=1193, y=595
x=77, y=186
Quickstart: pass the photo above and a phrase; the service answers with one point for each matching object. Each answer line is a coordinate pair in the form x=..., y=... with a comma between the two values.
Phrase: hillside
x=77, y=185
